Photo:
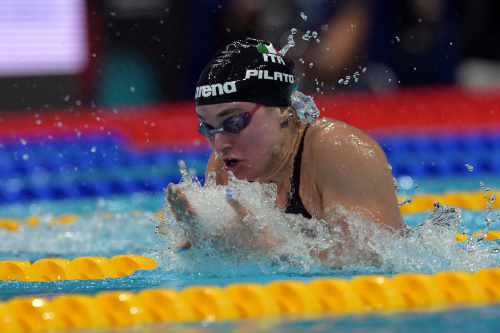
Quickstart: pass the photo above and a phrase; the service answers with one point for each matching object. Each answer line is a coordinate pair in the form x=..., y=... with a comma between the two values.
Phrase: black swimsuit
x=294, y=203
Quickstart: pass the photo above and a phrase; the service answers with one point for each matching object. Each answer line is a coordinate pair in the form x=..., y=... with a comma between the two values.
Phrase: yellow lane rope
x=53, y=269
x=318, y=297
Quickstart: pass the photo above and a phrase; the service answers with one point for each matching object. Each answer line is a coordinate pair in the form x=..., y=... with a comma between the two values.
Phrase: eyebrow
x=221, y=114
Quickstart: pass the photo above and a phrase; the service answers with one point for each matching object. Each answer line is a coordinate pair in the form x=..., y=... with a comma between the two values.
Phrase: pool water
x=113, y=179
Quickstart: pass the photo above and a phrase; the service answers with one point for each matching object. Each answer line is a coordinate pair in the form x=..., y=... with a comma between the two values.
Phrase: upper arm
x=352, y=170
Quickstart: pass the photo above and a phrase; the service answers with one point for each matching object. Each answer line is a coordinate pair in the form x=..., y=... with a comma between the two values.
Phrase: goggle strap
x=250, y=114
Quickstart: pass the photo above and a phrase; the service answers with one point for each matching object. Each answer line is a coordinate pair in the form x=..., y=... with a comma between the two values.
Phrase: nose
x=220, y=141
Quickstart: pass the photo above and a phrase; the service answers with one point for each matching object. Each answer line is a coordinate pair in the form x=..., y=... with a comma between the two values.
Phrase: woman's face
x=251, y=153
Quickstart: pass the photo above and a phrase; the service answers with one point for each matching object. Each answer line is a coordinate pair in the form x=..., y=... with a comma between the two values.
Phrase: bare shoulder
x=330, y=135
x=348, y=167
x=340, y=150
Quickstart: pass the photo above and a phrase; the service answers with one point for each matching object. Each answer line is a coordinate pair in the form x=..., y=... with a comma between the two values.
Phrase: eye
x=237, y=120
x=207, y=126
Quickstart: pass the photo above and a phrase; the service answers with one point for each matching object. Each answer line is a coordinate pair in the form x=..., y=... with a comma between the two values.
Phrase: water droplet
x=493, y=197
x=397, y=38
x=294, y=31
x=301, y=60
x=364, y=70
x=66, y=98
x=481, y=184
x=341, y=81
x=38, y=122
x=310, y=65
x=26, y=157
x=469, y=167
x=132, y=89
x=93, y=149
x=23, y=142
x=304, y=17
x=314, y=34
x=307, y=35
x=317, y=89
x=289, y=44
x=405, y=201
x=317, y=40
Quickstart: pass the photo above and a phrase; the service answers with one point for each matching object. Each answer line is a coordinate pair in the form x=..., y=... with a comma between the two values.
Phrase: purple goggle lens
x=234, y=125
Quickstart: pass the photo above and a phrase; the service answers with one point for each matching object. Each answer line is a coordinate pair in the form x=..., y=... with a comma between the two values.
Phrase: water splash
x=305, y=106
x=221, y=247
x=290, y=43
x=99, y=234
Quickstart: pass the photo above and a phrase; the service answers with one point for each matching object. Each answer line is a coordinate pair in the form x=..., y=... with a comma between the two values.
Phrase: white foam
x=221, y=246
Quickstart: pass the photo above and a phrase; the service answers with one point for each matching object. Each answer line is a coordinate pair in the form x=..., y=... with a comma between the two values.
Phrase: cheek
x=211, y=141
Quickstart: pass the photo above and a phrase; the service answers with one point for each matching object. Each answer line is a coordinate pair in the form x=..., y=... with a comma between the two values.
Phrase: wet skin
x=341, y=165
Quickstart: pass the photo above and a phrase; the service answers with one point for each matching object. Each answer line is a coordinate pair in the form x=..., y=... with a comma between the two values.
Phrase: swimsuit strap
x=294, y=203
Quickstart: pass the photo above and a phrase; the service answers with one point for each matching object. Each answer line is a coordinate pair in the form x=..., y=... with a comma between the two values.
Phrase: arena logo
x=264, y=74
x=215, y=89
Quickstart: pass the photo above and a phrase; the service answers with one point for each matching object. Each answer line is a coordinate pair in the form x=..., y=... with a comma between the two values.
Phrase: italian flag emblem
x=263, y=48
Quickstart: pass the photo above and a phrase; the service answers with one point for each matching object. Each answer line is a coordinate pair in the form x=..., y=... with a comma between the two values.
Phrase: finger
x=171, y=191
x=236, y=205
x=184, y=246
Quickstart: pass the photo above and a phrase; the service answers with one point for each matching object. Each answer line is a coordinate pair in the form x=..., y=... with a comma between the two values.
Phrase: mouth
x=230, y=162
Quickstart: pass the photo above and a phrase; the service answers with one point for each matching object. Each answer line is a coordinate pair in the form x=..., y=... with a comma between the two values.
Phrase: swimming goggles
x=234, y=125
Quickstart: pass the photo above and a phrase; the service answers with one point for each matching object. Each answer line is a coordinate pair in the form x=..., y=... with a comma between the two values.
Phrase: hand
x=182, y=210
x=256, y=238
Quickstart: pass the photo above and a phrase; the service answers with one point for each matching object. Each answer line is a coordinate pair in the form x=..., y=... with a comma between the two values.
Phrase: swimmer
x=244, y=104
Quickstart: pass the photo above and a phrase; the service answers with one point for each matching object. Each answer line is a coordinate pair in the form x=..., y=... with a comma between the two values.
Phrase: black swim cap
x=248, y=70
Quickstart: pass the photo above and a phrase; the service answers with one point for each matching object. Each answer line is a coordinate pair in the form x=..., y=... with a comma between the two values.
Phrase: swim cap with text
x=248, y=70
